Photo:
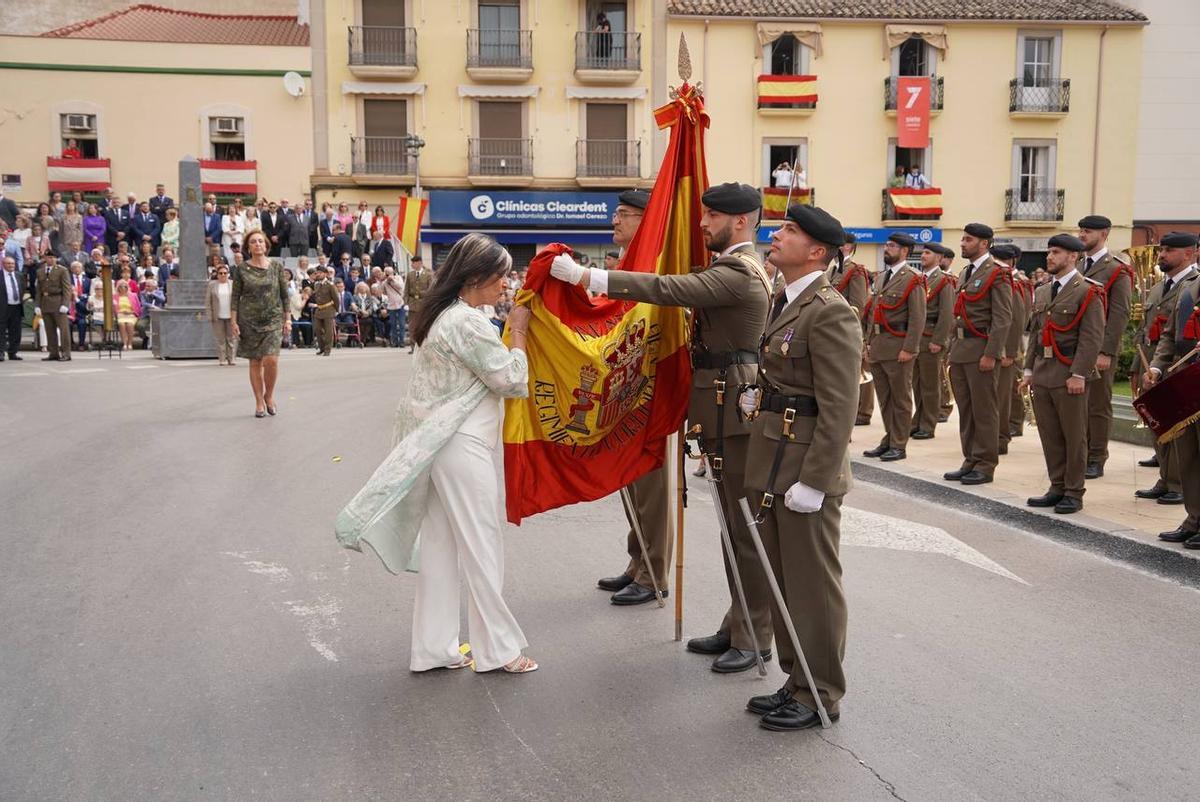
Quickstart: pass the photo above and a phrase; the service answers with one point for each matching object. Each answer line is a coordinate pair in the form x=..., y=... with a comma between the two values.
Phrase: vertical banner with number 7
x=912, y=112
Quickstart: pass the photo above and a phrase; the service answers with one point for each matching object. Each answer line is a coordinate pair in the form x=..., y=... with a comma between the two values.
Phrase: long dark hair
x=475, y=259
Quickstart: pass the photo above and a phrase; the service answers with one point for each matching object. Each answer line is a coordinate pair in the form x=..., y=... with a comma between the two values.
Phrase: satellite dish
x=293, y=82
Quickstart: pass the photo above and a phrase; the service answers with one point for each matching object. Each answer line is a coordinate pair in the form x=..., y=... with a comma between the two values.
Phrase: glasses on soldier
x=621, y=213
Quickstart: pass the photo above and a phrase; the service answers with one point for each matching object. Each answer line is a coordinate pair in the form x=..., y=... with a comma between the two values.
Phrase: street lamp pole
x=413, y=145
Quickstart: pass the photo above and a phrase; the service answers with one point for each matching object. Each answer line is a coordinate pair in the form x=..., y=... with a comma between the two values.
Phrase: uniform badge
x=787, y=339
x=1047, y=352
x=978, y=282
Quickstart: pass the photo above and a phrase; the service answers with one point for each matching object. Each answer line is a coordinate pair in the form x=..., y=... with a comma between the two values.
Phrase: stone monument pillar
x=182, y=330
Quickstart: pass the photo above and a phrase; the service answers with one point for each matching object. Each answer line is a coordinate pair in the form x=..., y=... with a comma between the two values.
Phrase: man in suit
x=160, y=202
x=798, y=468
x=345, y=298
x=274, y=225
x=146, y=227
x=298, y=230
x=1117, y=279
x=212, y=224
x=340, y=244
x=91, y=268
x=935, y=339
x=117, y=219
x=325, y=303
x=12, y=308
x=1068, y=324
x=361, y=237
x=895, y=317
x=731, y=298
x=416, y=285
x=168, y=269
x=326, y=232
x=131, y=206
x=380, y=250
x=8, y=210
x=54, y=299
x=81, y=285
x=983, y=312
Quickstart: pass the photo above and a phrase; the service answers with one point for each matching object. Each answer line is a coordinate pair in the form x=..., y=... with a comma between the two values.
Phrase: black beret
x=818, y=224
x=732, y=198
x=1095, y=222
x=1067, y=242
x=1006, y=252
x=939, y=249
x=902, y=239
x=634, y=197
x=1179, y=239
x=850, y=238
x=979, y=230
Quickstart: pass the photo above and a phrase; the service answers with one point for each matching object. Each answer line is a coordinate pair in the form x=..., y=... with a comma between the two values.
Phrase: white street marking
x=318, y=619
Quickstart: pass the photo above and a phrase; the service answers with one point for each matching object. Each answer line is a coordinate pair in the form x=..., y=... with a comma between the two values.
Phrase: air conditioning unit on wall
x=80, y=122
x=228, y=125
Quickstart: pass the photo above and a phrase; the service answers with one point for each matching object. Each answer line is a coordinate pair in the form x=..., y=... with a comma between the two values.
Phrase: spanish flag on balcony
x=775, y=201
x=609, y=380
x=916, y=201
x=780, y=90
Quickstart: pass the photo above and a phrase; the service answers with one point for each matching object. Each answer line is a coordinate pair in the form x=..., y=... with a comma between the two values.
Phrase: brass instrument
x=1144, y=260
x=1027, y=402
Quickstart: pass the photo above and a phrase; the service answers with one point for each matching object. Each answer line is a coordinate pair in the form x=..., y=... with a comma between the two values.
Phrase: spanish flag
x=783, y=90
x=609, y=380
x=916, y=201
x=408, y=222
x=775, y=201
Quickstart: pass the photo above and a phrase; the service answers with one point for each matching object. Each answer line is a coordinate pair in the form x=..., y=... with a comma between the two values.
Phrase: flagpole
x=680, y=495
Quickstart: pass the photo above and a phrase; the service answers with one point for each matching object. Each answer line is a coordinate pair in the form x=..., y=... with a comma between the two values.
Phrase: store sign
x=483, y=208
x=874, y=236
x=10, y=182
x=912, y=112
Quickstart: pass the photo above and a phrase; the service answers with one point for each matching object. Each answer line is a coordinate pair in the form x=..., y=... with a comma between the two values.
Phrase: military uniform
x=1023, y=301
x=54, y=291
x=895, y=317
x=325, y=296
x=1006, y=388
x=809, y=381
x=854, y=283
x=1159, y=302
x=416, y=286
x=983, y=314
x=731, y=298
x=1067, y=328
x=1117, y=281
x=939, y=323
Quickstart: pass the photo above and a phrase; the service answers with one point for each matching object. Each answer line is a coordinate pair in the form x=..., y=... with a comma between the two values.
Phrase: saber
x=752, y=525
x=636, y=523
x=715, y=489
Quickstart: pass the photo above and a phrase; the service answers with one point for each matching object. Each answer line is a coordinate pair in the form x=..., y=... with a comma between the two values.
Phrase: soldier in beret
x=935, y=339
x=731, y=298
x=983, y=313
x=1179, y=336
x=1068, y=327
x=853, y=281
x=947, y=395
x=798, y=463
x=895, y=317
x=1007, y=256
x=1117, y=279
x=1176, y=259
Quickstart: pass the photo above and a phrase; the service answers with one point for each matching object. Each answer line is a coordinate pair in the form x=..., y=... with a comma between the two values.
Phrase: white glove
x=566, y=269
x=802, y=498
x=748, y=400
x=37, y=310
x=62, y=310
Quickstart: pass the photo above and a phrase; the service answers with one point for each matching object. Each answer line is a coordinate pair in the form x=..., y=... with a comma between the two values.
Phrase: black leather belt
x=805, y=405
x=723, y=359
x=968, y=334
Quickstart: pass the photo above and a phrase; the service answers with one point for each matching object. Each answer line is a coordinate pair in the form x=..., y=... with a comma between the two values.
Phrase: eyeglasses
x=222, y=272
x=621, y=213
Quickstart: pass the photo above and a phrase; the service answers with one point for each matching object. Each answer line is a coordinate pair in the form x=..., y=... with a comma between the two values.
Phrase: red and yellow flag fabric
x=609, y=380
x=775, y=201
x=408, y=222
x=783, y=90
x=916, y=201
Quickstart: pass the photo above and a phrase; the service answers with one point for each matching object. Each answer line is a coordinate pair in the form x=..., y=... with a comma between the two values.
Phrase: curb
x=1166, y=563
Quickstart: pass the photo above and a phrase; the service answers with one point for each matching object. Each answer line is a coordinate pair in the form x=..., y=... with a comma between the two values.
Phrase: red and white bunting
x=229, y=178
x=83, y=175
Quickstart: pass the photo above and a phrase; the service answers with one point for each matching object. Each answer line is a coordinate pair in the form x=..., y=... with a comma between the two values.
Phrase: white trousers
x=460, y=539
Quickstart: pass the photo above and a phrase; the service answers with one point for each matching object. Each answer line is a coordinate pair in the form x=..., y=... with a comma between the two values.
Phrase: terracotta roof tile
x=151, y=23
x=932, y=10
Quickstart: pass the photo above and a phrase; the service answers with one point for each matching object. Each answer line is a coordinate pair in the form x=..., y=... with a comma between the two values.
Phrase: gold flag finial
x=685, y=60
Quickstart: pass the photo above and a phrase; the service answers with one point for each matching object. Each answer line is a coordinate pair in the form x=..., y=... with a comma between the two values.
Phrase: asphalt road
x=178, y=623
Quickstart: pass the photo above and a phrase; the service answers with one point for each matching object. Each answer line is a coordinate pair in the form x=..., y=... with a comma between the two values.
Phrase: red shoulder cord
x=1191, y=329
x=880, y=319
x=853, y=270
x=1156, y=327
x=964, y=297
x=936, y=291
x=1122, y=270
x=1049, y=330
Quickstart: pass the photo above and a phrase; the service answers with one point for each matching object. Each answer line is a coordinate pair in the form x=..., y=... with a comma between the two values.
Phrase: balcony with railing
x=608, y=58
x=381, y=156
x=500, y=162
x=378, y=51
x=1039, y=101
x=889, y=93
x=600, y=162
x=1034, y=205
x=499, y=55
x=906, y=203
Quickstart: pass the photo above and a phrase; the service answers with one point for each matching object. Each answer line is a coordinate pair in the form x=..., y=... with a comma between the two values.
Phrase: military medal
x=1047, y=352
x=787, y=338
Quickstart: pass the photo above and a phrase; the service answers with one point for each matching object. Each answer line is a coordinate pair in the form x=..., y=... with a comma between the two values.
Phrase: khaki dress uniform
x=325, y=297
x=1158, y=305
x=1010, y=376
x=54, y=291
x=1117, y=280
x=811, y=359
x=854, y=283
x=1022, y=294
x=731, y=298
x=939, y=323
x=416, y=285
x=983, y=313
x=895, y=318
x=1067, y=329
x=1179, y=337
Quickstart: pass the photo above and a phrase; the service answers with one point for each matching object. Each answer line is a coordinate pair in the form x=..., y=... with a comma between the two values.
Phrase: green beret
x=732, y=198
x=1179, y=239
x=637, y=198
x=902, y=239
x=940, y=249
x=1067, y=242
x=1095, y=222
x=980, y=230
x=818, y=224
x=1005, y=252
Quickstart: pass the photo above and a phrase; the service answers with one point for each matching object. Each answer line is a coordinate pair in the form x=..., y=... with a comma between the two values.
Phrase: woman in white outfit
x=442, y=477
